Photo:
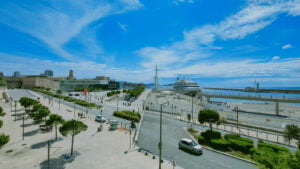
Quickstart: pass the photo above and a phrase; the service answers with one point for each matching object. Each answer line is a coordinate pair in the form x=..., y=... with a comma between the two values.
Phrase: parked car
x=190, y=146
x=100, y=119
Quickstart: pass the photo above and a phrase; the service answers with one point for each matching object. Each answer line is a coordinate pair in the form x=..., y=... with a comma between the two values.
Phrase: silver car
x=190, y=146
x=100, y=119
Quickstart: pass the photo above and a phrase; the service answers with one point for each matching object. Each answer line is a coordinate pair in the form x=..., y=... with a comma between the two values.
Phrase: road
x=149, y=134
x=172, y=133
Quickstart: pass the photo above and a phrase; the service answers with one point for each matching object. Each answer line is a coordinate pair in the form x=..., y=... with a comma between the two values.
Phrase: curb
x=220, y=152
x=166, y=162
x=138, y=130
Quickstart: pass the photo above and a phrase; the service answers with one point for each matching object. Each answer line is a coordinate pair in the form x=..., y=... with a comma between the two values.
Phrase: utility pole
x=48, y=154
x=160, y=134
x=11, y=102
x=59, y=104
x=15, y=110
x=237, y=116
x=192, y=110
x=74, y=110
x=117, y=102
x=156, y=79
x=23, y=124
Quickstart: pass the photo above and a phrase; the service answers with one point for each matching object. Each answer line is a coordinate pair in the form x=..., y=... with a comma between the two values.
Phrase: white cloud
x=275, y=58
x=199, y=41
x=287, y=46
x=82, y=69
x=243, y=68
x=178, y=2
x=57, y=23
x=123, y=26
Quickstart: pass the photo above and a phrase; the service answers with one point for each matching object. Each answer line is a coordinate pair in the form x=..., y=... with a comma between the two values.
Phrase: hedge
x=201, y=140
x=238, y=137
x=3, y=139
x=211, y=134
x=136, y=92
x=240, y=145
x=220, y=144
x=274, y=147
x=128, y=115
x=112, y=93
x=70, y=99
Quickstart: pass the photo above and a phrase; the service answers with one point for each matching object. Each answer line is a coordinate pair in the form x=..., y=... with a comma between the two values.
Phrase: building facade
x=48, y=73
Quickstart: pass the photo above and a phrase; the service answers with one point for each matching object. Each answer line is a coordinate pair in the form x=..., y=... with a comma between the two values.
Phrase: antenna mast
x=156, y=79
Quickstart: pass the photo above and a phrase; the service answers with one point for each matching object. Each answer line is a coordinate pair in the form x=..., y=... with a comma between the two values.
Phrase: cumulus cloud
x=177, y=2
x=287, y=46
x=275, y=58
x=57, y=22
x=199, y=41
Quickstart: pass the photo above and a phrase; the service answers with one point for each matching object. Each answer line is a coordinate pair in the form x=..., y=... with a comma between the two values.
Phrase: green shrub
x=112, y=93
x=1, y=112
x=201, y=140
x=227, y=136
x=128, y=115
x=69, y=99
x=220, y=144
x=211, y=134
x=239, y=145
x=136, y=92
x=238, y=137
x=192, y=130
x=1, y=123
x=3, y=139
x=274, y=147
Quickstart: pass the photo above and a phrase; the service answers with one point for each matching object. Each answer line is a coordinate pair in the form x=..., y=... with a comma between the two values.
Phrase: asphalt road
x=172, y=133
x=149, y=134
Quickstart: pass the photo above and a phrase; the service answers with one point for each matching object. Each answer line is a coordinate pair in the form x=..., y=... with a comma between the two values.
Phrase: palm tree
x=292, y=132
x=56, y=120
x=72, y=127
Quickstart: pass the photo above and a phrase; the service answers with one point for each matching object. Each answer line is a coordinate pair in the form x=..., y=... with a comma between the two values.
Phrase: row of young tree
x=4, y=139
x=40, y=113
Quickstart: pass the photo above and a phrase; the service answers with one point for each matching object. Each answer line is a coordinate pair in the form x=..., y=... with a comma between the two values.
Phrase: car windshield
x=193, y=143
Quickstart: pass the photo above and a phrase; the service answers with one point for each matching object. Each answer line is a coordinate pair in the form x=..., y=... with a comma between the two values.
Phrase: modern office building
x=17, y=74
x=1, y=74
x=48, y=73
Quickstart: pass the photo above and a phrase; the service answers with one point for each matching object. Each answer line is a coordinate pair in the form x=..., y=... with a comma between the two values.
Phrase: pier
x=277, y=100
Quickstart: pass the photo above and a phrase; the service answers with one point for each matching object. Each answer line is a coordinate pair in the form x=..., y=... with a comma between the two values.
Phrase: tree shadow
x=27, y=125
x=59, y=163
x=31, y=133
x=45, y=143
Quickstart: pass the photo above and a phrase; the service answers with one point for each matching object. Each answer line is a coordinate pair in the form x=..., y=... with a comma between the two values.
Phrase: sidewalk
x=92, y=149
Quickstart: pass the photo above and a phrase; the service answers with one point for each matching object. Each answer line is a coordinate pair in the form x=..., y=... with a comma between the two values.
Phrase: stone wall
x=32, y=82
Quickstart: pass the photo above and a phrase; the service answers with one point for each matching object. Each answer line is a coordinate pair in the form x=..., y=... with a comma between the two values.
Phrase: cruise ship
x=186, y=86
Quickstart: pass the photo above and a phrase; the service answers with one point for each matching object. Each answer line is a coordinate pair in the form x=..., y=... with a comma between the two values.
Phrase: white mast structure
x=156, y=79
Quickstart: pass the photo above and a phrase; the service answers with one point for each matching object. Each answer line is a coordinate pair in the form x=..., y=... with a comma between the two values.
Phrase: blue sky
x=217, y=43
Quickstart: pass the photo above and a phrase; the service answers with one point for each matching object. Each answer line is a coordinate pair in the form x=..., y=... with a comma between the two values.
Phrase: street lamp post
x=160, y=134
x=15, y=109
x=23, y=124
x=237, y=116
x=11, y=102
x=117, y=102
x=74, y=109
